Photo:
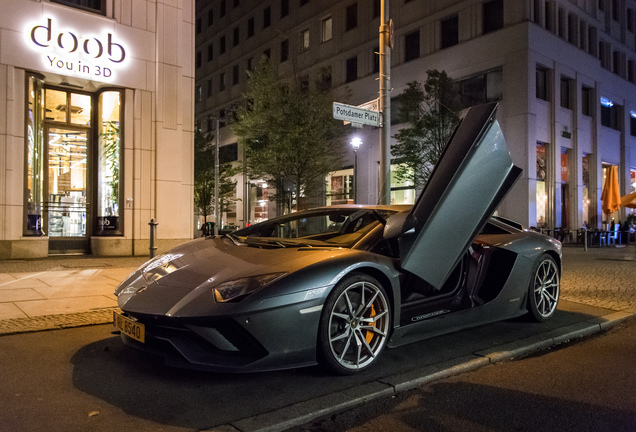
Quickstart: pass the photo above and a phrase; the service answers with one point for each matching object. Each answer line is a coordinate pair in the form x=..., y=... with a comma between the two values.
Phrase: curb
x=304, y=412
x=56, y=322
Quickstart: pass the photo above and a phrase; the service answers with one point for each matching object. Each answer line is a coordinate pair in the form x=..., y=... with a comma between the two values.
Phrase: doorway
x=66, y=206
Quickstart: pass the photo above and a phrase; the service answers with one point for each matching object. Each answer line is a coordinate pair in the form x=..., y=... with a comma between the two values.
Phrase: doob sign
x=68, y=53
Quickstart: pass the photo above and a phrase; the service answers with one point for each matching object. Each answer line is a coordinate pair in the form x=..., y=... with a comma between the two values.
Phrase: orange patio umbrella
x=611, y=195
x=629, y=200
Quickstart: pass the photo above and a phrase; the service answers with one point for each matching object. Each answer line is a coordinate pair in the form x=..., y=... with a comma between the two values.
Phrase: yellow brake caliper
x=369, y=335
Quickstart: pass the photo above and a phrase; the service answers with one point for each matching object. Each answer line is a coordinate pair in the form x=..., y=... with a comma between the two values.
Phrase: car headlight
x=239, y=288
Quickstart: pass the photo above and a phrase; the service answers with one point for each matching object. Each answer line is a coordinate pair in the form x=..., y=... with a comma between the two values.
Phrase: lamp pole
x=385, y=103
x=355, y=143
x=217, y=210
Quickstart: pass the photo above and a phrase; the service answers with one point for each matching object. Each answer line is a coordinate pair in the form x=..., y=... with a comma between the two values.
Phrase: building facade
x=96, y=125
x=563, y=72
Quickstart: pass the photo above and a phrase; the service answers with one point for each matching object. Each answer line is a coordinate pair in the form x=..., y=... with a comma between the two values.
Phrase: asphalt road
x=585, y=386
x=85, y=379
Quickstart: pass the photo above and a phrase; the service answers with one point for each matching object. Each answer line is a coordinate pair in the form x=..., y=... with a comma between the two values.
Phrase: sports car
x=337, y=285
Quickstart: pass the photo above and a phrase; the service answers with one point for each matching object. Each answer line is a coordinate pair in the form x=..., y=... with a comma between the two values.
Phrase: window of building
x=209, y=123
x=573, y=29
x=493, y=16
x=586, y=100
x=375, y=68
x=228, y=153
x=377, y=5
x=198, y=59
x=222, y=81
x=236, y=36
x=326, y=29
x=482, y=88
x=284, y=50
x=542, y=84
x=236, y=3
x=210, y=16
x=632, y=123
x=536, y=11
x=222, y=118
x=351, y=17
x=615, y=10
x=603, y=54
x=198, y=26
x=412, y=46
x=583, y=39
x=209, y=88
x=267, y=16
x=250, y=64
x=617, y=64
x=610, y=114
x=601, y=5
x=304, y=40
x=303, y=2
x=352, y=69
x=549, y=16
x=268, y=53
x=222, y=12
x=631, y=72
x=199, y=93
x=284, y=8
x=222, y=45
x=566, y=92
x=35, y=158
x=450, y=32
x=562, y=27
x=542, y=193
x=235, y=75
x=630, y=20
x=210, y=52
x=324, y=78
x=98, y=6
x=250, y=27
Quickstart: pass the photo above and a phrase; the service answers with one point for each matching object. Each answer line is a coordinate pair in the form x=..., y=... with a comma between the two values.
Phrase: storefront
x=98, y=128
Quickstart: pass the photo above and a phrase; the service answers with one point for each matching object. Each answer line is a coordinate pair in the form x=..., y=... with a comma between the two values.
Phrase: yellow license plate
x=129, y=327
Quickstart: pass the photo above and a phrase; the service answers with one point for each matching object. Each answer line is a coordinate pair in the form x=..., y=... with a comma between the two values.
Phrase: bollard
x=585, y=239
x=153, y=237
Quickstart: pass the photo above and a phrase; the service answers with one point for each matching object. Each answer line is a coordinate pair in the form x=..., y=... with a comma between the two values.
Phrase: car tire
x=355, y=324
x=544, y=289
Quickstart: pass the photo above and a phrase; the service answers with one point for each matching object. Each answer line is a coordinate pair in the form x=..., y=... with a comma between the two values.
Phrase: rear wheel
x=544, y=289
x=355, y=324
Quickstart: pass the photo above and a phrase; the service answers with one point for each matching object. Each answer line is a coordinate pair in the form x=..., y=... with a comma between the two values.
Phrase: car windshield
x=338, y=226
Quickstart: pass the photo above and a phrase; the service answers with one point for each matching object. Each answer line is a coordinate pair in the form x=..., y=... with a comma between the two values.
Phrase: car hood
x=165, y=283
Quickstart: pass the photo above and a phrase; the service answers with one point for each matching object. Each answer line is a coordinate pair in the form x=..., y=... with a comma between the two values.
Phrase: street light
x=355, y=143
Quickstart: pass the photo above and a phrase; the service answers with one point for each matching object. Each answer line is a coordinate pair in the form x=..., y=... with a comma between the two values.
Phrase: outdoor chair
x=614, y=235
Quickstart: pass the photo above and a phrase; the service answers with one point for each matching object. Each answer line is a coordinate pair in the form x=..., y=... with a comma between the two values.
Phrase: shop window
x=267, y=16
x=109, y=151
x=351, y=21
x=340, y=187
x=352, y=69
x=493, y=16
x=412, y=46
x=35, y=160
x=97, y=6
x=402, y=191
x=542, y=84
x=585, y=171
x=450, y=32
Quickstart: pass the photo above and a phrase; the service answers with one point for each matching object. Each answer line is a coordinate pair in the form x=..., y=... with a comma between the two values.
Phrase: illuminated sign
x=69, y=53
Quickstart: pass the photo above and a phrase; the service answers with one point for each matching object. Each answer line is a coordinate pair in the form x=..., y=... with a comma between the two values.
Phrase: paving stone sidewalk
x=63, y=292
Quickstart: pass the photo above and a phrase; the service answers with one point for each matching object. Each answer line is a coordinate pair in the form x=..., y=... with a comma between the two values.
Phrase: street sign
x=355, y=115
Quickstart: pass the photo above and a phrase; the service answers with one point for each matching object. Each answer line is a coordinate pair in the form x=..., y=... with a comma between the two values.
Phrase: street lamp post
x=355, y=143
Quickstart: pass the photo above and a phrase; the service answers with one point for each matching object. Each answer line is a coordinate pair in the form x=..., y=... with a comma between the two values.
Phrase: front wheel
x=354, y=325
x=544, y=289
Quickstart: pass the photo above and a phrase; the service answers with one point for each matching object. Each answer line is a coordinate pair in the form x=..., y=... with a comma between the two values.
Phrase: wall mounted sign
x=66, y=52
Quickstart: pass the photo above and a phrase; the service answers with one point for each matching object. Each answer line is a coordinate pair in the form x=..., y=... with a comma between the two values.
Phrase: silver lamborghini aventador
x=336, y=285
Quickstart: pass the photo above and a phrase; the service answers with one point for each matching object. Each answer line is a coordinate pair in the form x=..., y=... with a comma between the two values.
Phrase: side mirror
x=399, y=224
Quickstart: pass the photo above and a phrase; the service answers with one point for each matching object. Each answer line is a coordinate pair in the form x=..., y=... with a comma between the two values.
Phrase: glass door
x=67, y=190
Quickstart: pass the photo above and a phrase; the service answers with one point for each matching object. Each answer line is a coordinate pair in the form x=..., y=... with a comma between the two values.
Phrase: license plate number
x=130, y=328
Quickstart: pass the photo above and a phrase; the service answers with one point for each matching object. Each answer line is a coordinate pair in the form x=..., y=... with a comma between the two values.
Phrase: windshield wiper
x=234, y=239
